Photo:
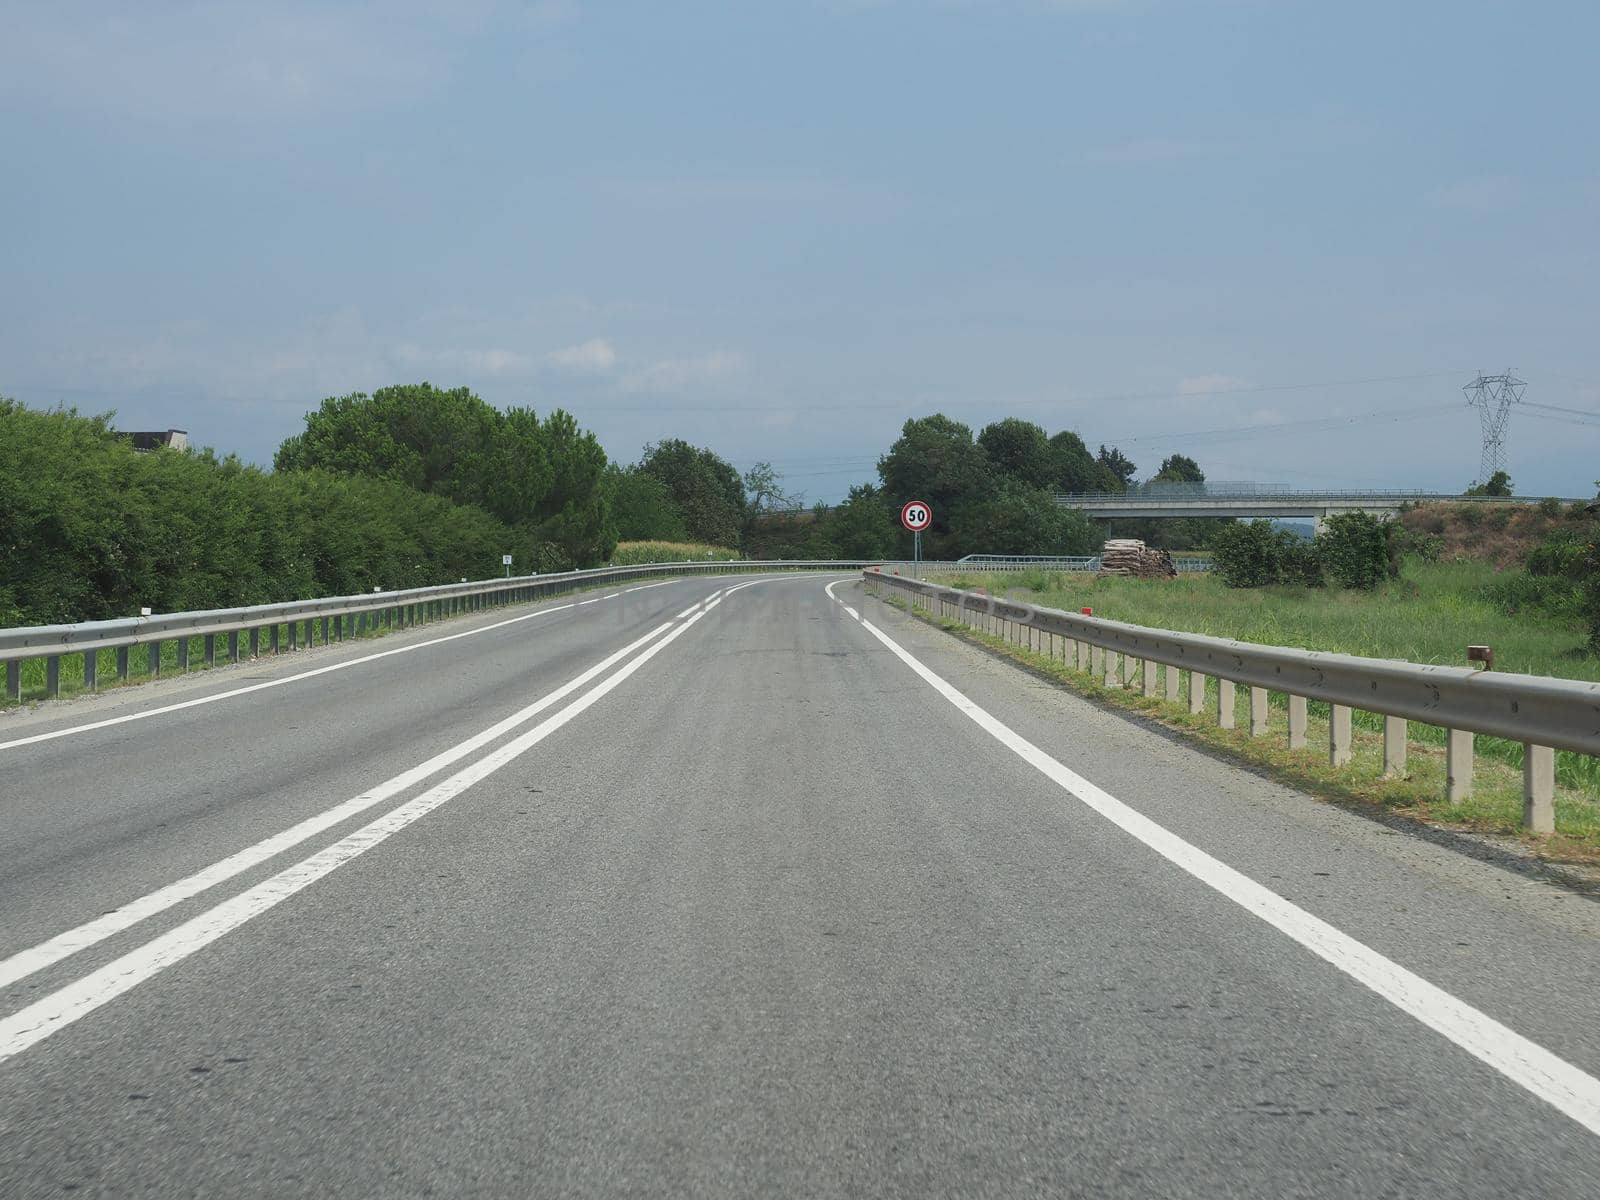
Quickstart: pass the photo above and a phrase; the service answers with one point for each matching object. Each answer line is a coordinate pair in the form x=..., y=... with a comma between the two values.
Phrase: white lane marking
x=64, y=945
x=274, y=683
x=1527, y=1064
x=645, y=587
x=61, y=1008
x=708, y=603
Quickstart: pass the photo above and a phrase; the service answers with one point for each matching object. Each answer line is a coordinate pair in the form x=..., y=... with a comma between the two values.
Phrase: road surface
x=711, y=889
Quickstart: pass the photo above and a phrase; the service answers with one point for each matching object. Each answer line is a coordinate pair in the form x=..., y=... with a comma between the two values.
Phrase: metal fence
x=300, y=622
x=1272, y=491
x=1542, y=713
x=1057, y=562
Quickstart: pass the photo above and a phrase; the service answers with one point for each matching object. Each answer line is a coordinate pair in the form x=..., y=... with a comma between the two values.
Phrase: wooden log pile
x=1131, y=557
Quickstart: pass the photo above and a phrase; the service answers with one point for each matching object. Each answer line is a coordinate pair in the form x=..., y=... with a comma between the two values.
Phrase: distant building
x=176, y=439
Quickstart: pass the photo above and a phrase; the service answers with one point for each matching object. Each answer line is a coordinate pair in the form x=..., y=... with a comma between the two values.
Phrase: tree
x=642, y=507
x=1358, y=549
x=1020, y=450
x=1073, y=468
x=1179, y=468
x=935, y=460
x=1499, y=484
x=574, y=514
x=1012, y=518
x=705, y=488
x=1116, y=470
x=865, y=525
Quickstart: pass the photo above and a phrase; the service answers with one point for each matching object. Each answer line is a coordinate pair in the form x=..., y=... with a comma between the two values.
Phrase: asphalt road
x=754, y=904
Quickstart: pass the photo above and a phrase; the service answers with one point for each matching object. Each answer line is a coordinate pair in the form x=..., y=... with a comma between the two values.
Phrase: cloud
x=480, y=362
x=1146, y=152
x=593, y=356
x=223, y=58
x=679, y=374
x=1481, y=195
x=1200, y=385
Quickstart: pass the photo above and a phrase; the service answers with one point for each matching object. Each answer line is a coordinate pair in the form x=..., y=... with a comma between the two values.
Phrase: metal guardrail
x=335, y=617
x=1269, y=491
x=1542, y=713
x=1058, y=562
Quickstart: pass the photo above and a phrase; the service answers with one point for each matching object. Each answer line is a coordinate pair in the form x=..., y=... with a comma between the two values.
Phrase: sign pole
x=916, y=553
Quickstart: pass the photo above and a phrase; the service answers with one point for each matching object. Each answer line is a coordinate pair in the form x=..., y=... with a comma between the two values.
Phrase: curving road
x=712, y=888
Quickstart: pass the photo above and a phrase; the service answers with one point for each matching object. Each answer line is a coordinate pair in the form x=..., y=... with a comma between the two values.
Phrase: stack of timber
x=1131, y=557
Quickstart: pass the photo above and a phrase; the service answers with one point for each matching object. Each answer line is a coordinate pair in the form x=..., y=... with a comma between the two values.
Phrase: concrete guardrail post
x=1394, y=747
x=1538, y=788
x=1338, y=734
x=1152, y=684
x=1457, y=765
x=1113, y=669
x=1297, y=722
x=1258, y=711
x=1197, y=692
x=1170, y=674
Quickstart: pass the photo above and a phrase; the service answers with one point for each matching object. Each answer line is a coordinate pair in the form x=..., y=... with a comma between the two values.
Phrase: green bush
x=1253, y=554
x=1550, y=506
x=90, y=529
x=1357, y=550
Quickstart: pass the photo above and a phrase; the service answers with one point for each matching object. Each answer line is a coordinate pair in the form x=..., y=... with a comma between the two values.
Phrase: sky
x=1275, y=236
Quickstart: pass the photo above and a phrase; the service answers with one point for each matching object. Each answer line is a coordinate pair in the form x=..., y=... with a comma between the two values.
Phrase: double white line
x=60, y=1008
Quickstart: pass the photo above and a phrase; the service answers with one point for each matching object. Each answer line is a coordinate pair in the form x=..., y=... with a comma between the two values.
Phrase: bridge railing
x=1542, y=713
x=1157, y=492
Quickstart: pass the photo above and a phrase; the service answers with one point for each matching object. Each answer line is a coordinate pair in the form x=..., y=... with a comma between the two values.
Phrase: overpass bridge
x=1248, y=500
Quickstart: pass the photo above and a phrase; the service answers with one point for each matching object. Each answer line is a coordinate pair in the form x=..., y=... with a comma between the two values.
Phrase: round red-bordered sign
x=916, y=516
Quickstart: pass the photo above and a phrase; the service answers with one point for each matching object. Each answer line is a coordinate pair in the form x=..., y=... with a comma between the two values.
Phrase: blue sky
x=780, y=229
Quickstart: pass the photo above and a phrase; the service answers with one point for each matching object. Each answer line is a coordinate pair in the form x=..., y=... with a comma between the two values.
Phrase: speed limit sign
x=916, y=516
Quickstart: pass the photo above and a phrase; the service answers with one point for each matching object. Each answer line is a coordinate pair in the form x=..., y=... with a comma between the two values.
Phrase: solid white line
x=64, y=945
x=61, y=1008
x=296, y=678
x=1527, y=1064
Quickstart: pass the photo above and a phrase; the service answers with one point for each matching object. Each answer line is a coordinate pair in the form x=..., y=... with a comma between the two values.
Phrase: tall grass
x=630, y=554
x=1431, y=614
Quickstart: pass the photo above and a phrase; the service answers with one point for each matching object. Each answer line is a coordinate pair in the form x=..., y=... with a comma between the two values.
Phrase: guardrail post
x=1130, y=672
x=14, y=680
x=1225, y=718
x=1297, y=722
x=211, y=649
x=1151, y=667
x=233, y=645
x=294, y=637
x=1170, y=676
x=1113, y=669
x=153, y=663
x=324, y=631
x=1538, y=788
x=1338, y=734
x=272, y=638
x=1197, y=692
x=122, y=664
x=183, y=653
x=91, y=667
x=1457, y=765
x=1258, y=711
x=1394, y=746
x=52, y=676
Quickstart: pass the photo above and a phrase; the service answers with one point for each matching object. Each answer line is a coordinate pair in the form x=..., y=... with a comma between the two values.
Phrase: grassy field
x=1429, y=615
x=630, y=554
